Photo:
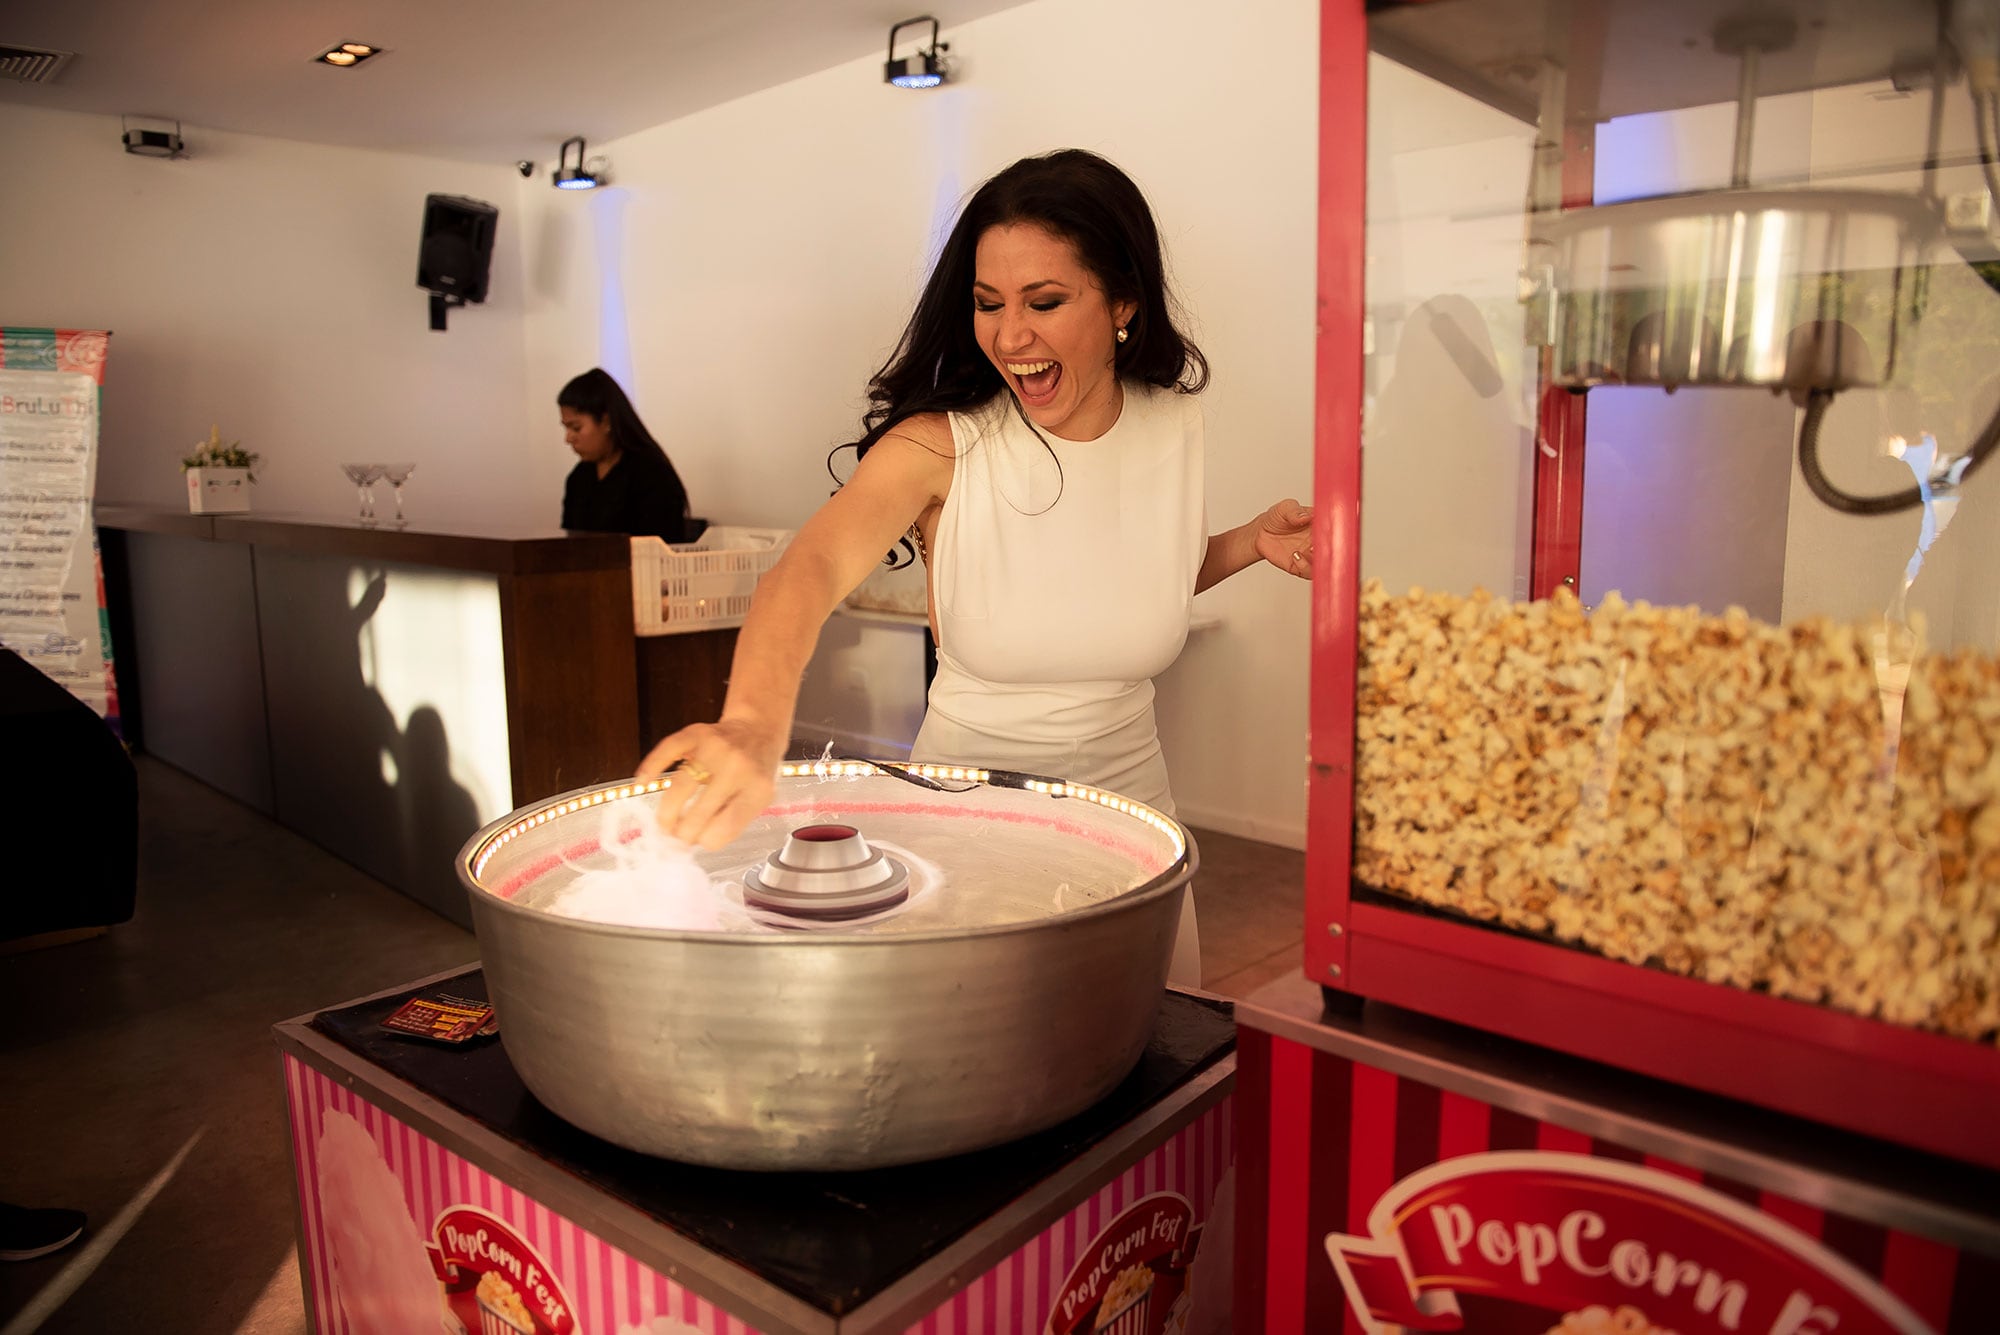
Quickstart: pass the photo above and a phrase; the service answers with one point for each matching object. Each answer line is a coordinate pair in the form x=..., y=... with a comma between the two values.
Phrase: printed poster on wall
x=51, y=579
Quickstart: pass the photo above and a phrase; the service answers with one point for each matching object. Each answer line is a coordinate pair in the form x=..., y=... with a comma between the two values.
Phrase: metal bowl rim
x=1177, y=874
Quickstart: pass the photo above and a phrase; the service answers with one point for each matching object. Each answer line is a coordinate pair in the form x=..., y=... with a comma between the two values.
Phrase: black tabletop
x=834, y=1240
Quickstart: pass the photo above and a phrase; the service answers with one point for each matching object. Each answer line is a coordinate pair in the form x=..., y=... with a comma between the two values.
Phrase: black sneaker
x=26, y=1234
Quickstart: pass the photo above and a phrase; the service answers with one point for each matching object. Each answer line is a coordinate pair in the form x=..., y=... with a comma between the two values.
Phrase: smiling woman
x=1037, y=431
x=1047, y=324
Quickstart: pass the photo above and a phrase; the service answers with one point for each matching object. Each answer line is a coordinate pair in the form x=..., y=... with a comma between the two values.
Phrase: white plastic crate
x=701, y=585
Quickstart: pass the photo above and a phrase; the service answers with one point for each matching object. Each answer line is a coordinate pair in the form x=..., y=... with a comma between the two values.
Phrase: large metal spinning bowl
x=1009, y=993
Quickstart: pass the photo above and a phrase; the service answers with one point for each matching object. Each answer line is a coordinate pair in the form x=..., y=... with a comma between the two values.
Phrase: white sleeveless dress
x=1063, y=584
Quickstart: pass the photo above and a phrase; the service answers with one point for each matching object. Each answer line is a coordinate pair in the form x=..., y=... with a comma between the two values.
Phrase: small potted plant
x=218, y=475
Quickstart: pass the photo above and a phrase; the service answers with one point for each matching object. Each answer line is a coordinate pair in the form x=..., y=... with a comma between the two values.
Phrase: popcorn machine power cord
x=1973, y=28
x=1821, y=486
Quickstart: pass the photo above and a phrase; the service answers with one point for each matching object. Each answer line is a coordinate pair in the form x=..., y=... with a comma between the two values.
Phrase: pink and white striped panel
x=613, y=1294
x=1016, y=1296
x=610, y=1291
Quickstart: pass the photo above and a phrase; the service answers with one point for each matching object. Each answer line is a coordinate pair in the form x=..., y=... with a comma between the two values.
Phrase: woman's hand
x=1284, y=537
x=1281, y=535
x=728, y=773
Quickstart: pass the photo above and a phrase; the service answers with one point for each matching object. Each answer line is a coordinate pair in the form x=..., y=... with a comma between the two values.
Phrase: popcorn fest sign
x=493, y=1282
x=1572, y=1232
x=1133, y=1274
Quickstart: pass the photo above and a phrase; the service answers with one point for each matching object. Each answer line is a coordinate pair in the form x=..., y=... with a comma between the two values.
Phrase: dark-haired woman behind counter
x=623, y=481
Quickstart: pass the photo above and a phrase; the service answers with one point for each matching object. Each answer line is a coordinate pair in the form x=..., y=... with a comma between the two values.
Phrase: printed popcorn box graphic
x=1131, y=1279
x=493, y=1282
x=1527, y=1243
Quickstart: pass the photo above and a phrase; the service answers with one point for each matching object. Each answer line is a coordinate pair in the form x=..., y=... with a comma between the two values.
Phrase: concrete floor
x=141, y=1084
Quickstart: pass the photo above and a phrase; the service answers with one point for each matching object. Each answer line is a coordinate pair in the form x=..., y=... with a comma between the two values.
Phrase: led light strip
x=827, y=769
x=526, y=823
x=1122, y=805
x=842, y=769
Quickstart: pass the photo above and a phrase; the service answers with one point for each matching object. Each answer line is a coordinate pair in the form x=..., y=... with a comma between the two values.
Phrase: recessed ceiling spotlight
x=347, y=55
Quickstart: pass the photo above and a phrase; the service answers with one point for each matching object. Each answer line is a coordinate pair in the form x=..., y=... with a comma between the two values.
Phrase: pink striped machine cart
x=436, y=1195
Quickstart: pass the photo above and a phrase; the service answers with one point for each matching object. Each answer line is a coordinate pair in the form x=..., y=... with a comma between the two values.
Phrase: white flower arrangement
x=218, y=453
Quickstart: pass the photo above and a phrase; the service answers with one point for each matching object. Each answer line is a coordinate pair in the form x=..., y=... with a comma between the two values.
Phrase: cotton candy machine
x=890, y=965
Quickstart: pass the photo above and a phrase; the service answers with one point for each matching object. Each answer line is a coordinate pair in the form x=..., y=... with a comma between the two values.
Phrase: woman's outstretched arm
x=734, y=761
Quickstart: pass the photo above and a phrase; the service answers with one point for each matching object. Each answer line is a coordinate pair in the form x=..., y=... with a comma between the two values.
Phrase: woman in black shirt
x=623, y=482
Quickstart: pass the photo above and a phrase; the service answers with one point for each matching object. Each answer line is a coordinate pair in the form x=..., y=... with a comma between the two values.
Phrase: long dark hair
x=666, y=512
x=938, y=365
x=596, y=393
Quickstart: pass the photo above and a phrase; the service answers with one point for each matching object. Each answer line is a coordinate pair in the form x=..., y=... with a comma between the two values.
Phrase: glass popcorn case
x=1657, y=683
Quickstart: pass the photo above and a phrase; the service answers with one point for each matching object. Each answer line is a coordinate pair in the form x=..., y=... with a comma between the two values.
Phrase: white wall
x=269, y=288
x=748, y=270
x=768, y=251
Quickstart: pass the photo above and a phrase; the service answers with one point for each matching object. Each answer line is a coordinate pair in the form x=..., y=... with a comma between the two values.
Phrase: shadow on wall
x=437, y=814
x=346, y=773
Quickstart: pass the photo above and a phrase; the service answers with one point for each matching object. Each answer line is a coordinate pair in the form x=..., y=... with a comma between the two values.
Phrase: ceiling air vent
x=30, y=64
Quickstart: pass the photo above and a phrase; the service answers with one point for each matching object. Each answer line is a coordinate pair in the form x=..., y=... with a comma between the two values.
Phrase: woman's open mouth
x=1036, y=381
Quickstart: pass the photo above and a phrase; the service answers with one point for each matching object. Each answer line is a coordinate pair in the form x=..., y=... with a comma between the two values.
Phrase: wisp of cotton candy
x=653, y=881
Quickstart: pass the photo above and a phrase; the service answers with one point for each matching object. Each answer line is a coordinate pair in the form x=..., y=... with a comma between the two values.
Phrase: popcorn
x=1125, y=1289
x=501, y=1310
x=1604, y=1321
x=1811, y=810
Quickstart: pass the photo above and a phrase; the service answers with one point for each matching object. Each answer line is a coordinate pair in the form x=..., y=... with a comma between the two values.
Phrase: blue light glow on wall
x=614, y=332
x=1636, y=158
x=947, y=116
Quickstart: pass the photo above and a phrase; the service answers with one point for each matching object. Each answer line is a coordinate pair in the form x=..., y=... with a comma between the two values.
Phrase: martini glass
x=398, y=474
x=364, y=477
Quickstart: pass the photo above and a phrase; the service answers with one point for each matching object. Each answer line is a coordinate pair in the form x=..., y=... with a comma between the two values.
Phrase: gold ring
x=695, y=772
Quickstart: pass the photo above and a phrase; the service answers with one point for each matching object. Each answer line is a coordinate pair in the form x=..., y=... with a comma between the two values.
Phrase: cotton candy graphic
x=382, y=1276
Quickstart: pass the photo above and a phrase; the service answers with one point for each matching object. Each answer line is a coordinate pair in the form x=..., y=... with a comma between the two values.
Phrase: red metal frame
x=1904, y=1085
x=1925, y=1090
x=1343, y=183
x=1557, y=557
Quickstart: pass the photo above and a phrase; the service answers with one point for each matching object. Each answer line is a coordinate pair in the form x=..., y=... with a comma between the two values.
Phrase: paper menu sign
x=51, y=589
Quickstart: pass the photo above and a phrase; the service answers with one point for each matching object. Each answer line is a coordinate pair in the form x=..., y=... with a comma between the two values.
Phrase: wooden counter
x=383, y=691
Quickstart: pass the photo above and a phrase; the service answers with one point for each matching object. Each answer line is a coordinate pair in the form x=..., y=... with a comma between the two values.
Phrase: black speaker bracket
x=440, y=303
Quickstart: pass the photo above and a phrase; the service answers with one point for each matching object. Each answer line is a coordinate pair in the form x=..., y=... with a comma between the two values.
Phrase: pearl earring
x=1121, y=335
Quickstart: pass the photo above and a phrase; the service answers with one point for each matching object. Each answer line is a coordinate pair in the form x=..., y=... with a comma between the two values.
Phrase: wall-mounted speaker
x=457, y=250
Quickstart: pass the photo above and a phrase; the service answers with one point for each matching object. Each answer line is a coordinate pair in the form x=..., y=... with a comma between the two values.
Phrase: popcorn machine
x=1652, y=945
x=1657, y=686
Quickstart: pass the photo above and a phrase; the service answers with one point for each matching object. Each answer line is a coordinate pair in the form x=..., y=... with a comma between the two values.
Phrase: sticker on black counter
x=443, y=1019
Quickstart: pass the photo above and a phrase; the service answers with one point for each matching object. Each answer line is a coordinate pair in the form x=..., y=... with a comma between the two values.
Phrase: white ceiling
x=479, y=80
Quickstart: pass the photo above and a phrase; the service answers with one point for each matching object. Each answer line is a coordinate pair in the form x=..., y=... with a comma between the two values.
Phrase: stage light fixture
x=151, y=138
x=925, y=69
x=577, y=175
